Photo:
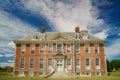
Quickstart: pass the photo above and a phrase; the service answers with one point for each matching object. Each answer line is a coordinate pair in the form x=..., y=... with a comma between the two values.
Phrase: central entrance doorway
x=59, y=65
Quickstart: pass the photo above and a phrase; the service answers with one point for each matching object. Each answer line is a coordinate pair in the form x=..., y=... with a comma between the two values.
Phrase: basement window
x=77, y=73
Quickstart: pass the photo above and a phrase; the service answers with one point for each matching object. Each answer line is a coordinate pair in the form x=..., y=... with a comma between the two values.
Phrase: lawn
x=8, y=76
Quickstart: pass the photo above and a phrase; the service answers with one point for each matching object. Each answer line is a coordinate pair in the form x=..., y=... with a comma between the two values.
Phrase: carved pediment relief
x=60, y=37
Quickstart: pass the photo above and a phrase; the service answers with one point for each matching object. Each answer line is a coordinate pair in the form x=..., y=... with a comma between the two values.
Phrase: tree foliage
x=113, y=65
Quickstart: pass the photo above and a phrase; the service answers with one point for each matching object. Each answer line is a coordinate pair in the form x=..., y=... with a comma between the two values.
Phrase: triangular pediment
x=59, y=37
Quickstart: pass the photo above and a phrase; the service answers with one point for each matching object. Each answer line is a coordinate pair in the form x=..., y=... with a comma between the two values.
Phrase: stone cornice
x=56, y=41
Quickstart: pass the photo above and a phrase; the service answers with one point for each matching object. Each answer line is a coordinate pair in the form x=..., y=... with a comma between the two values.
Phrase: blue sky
x=18, y=18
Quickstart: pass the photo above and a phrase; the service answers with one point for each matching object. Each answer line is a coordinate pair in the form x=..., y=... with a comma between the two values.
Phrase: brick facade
x=82, y=56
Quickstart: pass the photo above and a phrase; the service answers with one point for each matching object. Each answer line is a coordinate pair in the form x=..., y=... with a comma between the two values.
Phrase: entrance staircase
x=61, y=75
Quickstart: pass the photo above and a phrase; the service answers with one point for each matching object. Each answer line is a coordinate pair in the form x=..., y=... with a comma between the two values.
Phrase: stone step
x=61, y=75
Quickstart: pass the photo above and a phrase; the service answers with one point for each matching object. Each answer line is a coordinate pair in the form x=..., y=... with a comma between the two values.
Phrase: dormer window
x=85, y=37
x=42, y=37
x=35, y=37
x=77, y=36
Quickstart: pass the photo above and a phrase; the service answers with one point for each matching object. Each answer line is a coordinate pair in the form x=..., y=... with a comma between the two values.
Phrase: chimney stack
x=77, y=29
x=42, y=29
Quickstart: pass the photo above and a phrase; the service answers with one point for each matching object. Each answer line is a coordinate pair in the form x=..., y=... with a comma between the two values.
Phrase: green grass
x=8, y=76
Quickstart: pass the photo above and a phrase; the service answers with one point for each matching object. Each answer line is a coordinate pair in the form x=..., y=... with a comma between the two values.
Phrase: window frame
x=61, y=48
x=77, y=63
x=87, y=46
x=50, y=48
x=87, y=63
x=32, y=48
x=97, y=64
x=23, y=48
x=49, y=63
x=31, y=63
x=22, y=64
x=78, y=50
x=42, y=48
x=69, y=66
x=96, y=45
x=41, y=63
x=68, y=49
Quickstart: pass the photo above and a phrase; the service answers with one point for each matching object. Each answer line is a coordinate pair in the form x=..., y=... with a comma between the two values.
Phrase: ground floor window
x=98, y=73
x=77, y=74
x=88, y=73
x=40, y=73
x=31, y=73
x=21, y=73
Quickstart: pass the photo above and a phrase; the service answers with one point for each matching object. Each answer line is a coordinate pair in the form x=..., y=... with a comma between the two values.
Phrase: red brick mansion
x=60, y=54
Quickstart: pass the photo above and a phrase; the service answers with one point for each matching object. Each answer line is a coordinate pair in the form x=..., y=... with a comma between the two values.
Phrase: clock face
x=85, y=37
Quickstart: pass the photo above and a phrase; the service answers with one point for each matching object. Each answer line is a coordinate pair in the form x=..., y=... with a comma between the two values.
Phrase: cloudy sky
x=19, y=18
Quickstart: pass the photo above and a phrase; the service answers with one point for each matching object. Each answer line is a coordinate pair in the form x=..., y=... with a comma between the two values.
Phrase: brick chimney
x=42, y=30
x=77, y=29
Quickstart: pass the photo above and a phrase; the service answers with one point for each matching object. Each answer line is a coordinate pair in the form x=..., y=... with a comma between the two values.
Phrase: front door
x=59, y=65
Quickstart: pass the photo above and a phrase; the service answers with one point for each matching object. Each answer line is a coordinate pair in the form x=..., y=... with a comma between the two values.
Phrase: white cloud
x=102, y=35
x=113, y=49
x=3, y=64
x=11, y=28
x=11, y=61
x=11, y=44
x=1, y=55
x=8, y=55
x=66, y=15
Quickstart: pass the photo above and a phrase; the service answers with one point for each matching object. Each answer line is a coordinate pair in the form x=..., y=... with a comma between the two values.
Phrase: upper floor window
x=68, y=49
x=23, y=48
x=32, y=48
x=77, y=63
x=49, y=63
x=42, y=37
x=59, y=47
x=77, y=48
x=31, y=63
x=86, y=48
x=97, y=62
x=77, y=37
x=41, y=64
x=68, y=63
x=96, y=48
x=87, y=63
x=85, y=37
x=22, y=63
x=42, y=48
x=34, y=37
x=50, y=47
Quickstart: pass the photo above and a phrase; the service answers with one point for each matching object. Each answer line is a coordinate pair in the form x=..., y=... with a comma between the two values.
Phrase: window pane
x=68, y=47
x=22, y=63
x=87, y=62
x=59, y=47
x=68, y=61
x=86, y=48
x=32, y=48
x=50, y=48
x=77, y=61
x=31, y=63
x=96, y=48
x=41, y=63
x=23, y=48
x=97, y=62
x=50, y=63
x=42, y=48
x=77, y=47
